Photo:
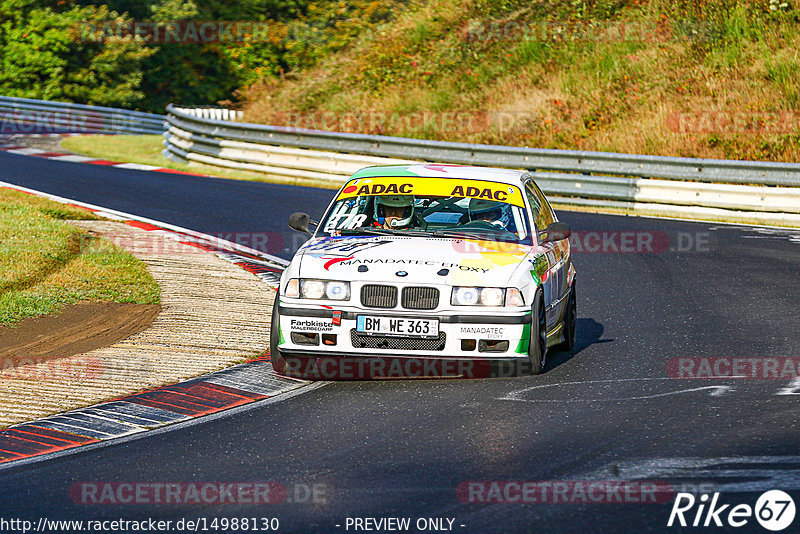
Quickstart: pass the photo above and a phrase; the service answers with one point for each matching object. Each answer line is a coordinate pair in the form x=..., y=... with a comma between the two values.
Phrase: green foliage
x=298, y=34
x=594, y=74
x=43, y=54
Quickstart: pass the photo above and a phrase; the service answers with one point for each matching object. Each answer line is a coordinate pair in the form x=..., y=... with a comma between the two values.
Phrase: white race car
x=426, y=263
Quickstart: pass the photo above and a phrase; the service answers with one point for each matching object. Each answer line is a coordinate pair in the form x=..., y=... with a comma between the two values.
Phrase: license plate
x=397, y=326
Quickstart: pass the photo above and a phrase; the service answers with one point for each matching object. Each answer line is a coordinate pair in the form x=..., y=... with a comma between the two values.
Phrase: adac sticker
x=444, y=187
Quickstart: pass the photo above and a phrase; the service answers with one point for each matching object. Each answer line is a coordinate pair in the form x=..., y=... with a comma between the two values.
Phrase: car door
x=554, y=279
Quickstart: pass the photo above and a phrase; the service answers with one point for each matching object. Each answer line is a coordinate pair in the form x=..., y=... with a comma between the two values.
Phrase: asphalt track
x=606, y=411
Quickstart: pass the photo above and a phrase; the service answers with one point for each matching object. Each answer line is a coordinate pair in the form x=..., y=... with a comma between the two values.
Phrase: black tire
x=537, y=345
x=278, y=362
x=570, y=321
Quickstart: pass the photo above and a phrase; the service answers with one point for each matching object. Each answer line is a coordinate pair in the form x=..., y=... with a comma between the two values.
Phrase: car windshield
x=477, y=210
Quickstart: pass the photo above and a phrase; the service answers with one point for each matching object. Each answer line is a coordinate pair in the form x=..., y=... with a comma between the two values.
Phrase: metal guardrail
x=222, y=114
x=702, y=170
x=28, y=116
x=704, y=188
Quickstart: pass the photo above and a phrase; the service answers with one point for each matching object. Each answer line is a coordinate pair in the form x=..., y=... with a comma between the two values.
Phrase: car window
x=542, y=212
x=495, y=212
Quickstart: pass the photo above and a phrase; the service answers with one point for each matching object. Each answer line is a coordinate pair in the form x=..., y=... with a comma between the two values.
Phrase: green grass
x=146, y=149
x=783, y=72
x=128, y=148
x=46, y=263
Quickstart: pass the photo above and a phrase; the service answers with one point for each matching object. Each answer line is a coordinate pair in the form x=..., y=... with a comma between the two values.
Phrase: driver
x=485, y=210
x=394, y=211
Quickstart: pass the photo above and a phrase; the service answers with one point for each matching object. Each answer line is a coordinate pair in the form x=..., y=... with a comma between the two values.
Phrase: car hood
x=411, y=260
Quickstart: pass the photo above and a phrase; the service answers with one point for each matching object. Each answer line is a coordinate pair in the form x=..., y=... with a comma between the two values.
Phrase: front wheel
x=570, y=322
x=537, y=347
x=278, y=362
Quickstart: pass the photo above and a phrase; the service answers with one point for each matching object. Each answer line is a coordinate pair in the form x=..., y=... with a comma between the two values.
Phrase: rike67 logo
x=774, y=510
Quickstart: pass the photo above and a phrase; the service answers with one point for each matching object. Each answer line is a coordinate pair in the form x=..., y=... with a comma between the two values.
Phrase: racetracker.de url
x=179, y=526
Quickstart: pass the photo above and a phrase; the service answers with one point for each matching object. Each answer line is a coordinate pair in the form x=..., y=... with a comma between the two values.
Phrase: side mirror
x=556, y=231
x=299, y=221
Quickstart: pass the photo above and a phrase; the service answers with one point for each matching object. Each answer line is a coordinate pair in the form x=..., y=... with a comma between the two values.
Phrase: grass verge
x=46, y=263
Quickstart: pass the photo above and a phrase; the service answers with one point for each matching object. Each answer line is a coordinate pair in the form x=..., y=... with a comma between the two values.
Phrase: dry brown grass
x=599, y=95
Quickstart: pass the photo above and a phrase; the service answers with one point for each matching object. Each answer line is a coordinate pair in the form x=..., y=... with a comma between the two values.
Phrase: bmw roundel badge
x=401, y=273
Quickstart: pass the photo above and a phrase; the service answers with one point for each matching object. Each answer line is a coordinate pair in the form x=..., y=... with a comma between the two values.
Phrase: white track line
x=121, y=215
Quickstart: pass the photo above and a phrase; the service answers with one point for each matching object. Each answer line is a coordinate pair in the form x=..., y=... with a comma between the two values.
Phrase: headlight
x=492, y=296
x=465, y=296
x=337, y=290
x=312, y=289
x=486, y=296
x=317, y=289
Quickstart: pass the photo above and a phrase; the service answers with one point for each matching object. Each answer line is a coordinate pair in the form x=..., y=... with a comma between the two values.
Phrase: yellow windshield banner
x=439, y=187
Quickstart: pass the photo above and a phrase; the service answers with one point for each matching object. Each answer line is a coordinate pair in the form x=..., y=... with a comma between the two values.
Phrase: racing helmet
x=394, y=201
x=485, y=209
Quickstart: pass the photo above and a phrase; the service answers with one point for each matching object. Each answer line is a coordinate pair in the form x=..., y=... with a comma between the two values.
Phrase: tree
x=49, y=51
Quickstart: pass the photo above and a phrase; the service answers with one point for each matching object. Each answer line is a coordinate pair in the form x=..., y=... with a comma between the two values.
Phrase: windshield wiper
x=383, y=231
x=400, y=231
x=454, y=233
x=364, y=230
x=476, y=233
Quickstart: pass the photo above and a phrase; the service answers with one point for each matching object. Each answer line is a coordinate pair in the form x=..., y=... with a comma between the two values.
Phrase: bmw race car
x=429, y=261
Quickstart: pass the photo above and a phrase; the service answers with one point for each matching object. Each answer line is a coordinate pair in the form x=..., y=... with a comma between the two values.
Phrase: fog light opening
x=468, y=344
x=493, y=345
x=305, y=338
x=329, y=339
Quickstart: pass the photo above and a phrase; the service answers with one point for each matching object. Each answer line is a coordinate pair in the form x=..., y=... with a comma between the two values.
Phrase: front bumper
x=335, y=334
